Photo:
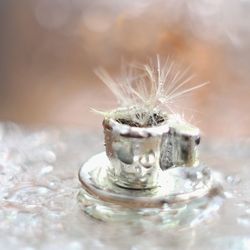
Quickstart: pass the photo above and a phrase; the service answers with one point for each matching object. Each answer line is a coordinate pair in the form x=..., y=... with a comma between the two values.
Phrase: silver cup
x=139, y=154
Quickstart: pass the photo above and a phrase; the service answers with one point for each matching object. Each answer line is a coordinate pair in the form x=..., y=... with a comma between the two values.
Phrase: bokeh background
x=50, y=48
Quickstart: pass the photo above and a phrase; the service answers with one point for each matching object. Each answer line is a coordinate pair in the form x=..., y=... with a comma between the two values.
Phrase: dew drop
x=46, y=170
x=233, y=180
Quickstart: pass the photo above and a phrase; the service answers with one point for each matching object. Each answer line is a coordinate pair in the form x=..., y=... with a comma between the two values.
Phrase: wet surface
x=38, y=175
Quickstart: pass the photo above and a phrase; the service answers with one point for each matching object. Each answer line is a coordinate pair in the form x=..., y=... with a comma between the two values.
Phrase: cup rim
x=134, y=132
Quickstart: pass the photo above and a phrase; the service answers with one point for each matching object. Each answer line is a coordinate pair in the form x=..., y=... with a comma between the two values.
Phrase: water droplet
x=50, y=156
x=53, y=185
x=46, y=170
x=233, y=180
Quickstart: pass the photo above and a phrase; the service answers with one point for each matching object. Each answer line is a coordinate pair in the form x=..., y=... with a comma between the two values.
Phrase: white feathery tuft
x=148, y=89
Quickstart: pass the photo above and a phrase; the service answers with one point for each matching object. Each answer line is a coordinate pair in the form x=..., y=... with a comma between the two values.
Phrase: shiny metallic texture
x=139, y=154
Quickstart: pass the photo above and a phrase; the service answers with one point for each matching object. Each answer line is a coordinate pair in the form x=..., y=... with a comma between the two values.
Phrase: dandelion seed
x=146, y=92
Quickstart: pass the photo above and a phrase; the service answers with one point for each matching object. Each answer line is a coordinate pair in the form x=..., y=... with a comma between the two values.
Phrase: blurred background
x=50, y=48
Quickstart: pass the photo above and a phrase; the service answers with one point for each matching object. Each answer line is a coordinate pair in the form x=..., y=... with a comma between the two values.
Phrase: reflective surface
x=182, y=196
x=138, y=153
x=39, y=208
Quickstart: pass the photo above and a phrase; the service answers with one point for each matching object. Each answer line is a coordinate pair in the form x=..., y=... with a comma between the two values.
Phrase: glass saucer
x=183, y=193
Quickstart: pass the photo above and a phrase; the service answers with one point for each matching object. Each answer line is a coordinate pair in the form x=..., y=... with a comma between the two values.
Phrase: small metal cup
x=134, y=153
x=139, y=154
